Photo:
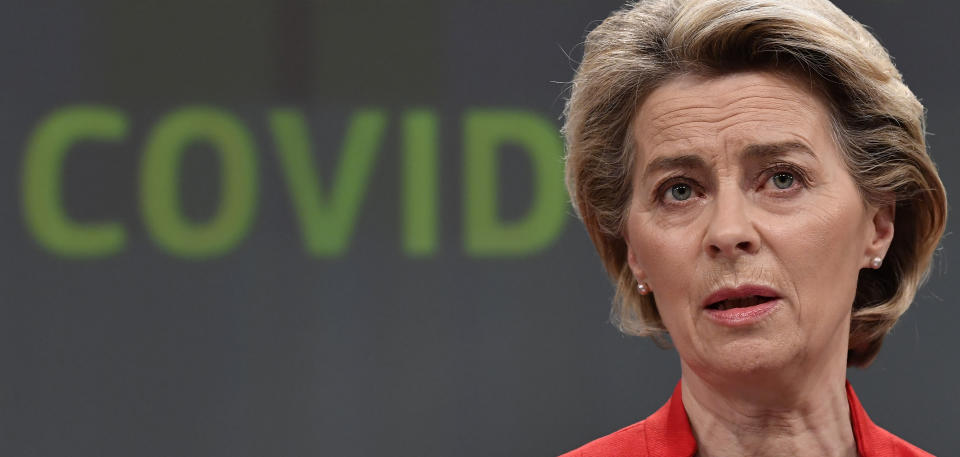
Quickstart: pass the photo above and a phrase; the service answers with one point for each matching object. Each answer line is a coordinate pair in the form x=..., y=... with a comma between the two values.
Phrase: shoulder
x=905, y=449
x=628, y=441
x=896, y=446
x=665, y=433
x=873, y=440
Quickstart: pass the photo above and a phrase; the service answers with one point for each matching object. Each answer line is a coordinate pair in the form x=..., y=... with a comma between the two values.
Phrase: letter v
x=326, y=224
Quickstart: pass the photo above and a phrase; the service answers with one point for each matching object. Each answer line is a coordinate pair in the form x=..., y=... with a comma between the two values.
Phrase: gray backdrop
x=419, y=330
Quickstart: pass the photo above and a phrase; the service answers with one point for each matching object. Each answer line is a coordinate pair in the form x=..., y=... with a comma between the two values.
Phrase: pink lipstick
x=741, y=306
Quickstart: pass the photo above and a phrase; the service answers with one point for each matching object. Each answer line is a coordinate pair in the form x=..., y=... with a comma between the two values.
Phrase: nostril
x=732, y=249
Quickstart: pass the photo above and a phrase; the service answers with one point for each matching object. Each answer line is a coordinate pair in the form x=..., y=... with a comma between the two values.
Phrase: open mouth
x=742, y=302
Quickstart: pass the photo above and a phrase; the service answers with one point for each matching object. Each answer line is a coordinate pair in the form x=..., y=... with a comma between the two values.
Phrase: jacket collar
x=871, y=439
x=668, y=432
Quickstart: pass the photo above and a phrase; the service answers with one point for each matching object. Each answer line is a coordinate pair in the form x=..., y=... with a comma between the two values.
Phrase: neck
x=771, y=414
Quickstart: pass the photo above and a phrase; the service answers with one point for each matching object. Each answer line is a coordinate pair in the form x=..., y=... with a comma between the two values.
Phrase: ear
x=880, y=233
x=632, y=261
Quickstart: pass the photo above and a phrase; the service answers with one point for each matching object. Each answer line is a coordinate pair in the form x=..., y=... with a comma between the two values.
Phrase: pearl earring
x=642, y=287
x=876, y=262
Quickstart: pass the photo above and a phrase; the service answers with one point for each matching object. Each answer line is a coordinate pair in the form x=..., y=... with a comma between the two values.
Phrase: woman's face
x=739, y=190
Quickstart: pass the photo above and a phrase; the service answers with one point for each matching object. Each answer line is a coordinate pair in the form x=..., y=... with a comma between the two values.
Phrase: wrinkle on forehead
x=680, y=111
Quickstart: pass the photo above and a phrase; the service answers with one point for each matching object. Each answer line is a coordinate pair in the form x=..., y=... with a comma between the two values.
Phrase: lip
x=738, y=317
x=743, y=291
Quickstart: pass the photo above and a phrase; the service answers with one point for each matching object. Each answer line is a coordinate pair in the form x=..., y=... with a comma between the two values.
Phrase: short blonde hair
x=878, y=124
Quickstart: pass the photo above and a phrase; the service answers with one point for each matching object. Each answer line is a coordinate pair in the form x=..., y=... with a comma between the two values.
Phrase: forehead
x=715, y=114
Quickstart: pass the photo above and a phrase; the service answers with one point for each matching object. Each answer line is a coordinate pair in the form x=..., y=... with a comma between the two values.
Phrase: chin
x=746, y=356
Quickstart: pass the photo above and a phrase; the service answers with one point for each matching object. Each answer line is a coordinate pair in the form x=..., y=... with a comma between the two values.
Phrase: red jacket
x=667, y=433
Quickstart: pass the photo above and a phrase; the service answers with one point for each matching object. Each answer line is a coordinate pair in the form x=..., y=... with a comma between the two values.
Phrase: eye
x=783, y=180
x=676, y=192
x=681, y=191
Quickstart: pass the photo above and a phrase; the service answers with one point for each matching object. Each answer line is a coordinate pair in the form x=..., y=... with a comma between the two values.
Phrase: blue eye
x=681, y=192
x=783, y=180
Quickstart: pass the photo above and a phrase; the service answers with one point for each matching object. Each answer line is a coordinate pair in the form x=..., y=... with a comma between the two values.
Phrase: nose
x=731, y=231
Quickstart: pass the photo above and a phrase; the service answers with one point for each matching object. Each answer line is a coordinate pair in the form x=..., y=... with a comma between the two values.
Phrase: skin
x=718, y=218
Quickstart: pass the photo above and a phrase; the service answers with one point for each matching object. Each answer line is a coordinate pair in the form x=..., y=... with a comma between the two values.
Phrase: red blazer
x=667, y=433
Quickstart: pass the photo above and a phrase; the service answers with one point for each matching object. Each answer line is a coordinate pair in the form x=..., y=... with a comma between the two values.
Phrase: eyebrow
x=751, y=152
x=686, y=161
x=765, y=151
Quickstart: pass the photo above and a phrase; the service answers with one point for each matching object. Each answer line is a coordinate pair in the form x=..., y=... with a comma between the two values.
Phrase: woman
x=755, y=178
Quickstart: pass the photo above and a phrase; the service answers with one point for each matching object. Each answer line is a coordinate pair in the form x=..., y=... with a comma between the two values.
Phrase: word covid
x=326, y=214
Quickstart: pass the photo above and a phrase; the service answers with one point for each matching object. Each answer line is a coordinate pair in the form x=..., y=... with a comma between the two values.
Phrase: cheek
x=820, y=250
x=660, y=251
x=670, y=260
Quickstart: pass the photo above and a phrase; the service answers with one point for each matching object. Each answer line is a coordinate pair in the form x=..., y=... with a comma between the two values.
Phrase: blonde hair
x=877, y=121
